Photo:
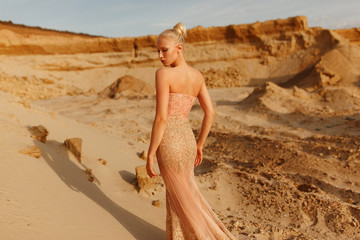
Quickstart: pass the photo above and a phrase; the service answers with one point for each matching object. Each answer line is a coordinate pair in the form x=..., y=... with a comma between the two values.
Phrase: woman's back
x=185, y=80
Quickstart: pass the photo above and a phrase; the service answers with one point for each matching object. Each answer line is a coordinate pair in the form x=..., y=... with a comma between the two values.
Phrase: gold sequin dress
x=188, y=214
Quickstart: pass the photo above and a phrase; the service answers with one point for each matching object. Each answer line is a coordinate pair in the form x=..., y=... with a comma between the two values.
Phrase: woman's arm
x=159, y=124
x=209, y=114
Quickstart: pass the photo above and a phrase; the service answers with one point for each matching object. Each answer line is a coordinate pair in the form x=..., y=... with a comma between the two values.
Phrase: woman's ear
x=179, y=47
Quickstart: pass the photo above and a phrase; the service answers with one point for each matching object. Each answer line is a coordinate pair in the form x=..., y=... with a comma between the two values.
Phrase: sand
x=281, y=161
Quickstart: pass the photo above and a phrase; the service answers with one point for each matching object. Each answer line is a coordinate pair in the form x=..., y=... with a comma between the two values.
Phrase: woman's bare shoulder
x=164, y=71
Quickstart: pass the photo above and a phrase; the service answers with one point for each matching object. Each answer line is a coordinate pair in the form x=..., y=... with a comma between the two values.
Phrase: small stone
x=237, y=224
x=229, y=209
x=144, y=182
x=88, y=171
x=33, y=151
x=39, y=133
x=156, y=203
x=102, y=161
x=143, y=155
x=74, y=145
x=213, y=187
x=91, y=179
x=26, y=104
x=351, y=201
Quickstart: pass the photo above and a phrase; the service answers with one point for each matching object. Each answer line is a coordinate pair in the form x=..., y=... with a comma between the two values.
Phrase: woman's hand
x=199, y=156
x=150, y=167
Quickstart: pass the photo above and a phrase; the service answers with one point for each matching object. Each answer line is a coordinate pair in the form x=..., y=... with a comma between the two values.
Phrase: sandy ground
x=282, y=160
x=51, y=197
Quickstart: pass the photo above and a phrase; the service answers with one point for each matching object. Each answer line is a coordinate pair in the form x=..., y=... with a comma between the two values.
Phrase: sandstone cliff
x=231, y=56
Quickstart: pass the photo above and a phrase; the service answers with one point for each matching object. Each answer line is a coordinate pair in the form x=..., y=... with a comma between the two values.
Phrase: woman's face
x=167, y=50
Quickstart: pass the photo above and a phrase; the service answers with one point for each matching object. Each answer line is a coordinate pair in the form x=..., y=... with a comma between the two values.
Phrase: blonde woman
x=172, y=140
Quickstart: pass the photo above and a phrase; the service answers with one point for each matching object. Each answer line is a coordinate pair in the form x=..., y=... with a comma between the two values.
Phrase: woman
x=173, y=142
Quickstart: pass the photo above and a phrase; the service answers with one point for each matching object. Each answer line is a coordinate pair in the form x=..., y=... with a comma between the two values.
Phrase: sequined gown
x=188, y=214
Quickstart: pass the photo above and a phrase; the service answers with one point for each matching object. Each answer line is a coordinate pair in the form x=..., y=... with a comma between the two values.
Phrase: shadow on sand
x=56, y=155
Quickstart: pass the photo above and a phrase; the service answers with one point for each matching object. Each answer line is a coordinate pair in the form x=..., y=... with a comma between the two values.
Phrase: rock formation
x=39, y=133
x=126, y=86
x=145, y=183
x=33, y=151
x=231, y=56
x=74, y=146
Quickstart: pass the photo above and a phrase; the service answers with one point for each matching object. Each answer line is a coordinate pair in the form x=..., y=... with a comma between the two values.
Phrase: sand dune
x=281, y=161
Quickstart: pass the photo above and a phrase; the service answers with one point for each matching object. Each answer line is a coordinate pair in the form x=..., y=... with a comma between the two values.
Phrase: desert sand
x=282, y=160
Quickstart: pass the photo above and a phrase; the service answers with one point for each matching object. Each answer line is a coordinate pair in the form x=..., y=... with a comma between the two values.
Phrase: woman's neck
x=180, y=61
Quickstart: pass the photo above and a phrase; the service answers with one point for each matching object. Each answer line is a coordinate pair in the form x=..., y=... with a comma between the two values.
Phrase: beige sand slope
x=51, y=197
x=282, y=160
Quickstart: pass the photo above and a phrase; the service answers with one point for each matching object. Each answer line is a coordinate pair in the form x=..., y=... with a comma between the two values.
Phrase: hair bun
x=180, y=28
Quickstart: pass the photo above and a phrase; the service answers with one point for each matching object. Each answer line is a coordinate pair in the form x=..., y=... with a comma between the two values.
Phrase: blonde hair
x=177, y=33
